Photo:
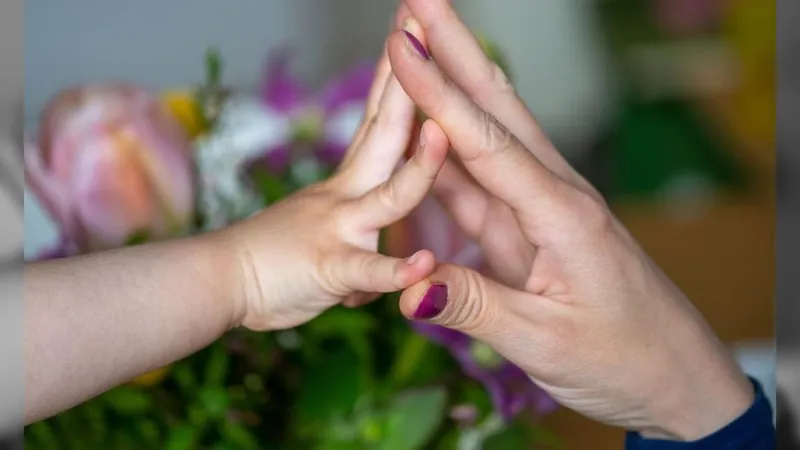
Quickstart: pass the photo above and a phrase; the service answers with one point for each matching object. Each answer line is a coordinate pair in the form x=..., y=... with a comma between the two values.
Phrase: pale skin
x=577, y=304
x=97, y=321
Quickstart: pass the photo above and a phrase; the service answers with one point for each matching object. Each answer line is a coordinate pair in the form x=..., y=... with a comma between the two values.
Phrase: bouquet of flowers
x=116, y=165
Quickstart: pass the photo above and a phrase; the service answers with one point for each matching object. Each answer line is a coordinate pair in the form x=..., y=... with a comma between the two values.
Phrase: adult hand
x=324, y=239
x=577, y=304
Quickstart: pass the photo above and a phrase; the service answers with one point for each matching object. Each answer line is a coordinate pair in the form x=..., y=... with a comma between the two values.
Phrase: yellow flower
x=152, y=378
x=185, y=107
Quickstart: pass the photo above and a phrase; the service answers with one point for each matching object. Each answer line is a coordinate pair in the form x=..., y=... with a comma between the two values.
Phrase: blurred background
x=668, y=106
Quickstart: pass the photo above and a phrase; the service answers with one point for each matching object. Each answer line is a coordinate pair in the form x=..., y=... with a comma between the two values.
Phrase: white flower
x=246, y=130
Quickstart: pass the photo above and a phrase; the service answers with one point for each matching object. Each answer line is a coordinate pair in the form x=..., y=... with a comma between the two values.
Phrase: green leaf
x=215, y=400
x=271, y=187
x=149, y=431
x=547, y=438
x=351, y=325
x=42, y=434
x=185, y=377
x=217, y=365
x=342, y=322
x=332, y=386
x=411, y=352
x=138, y=238
x=128, y=400
x=198, y=416
x=511, y=437
x=336, y=445
x=240, y=436
x=413, y=419
x=183, y=437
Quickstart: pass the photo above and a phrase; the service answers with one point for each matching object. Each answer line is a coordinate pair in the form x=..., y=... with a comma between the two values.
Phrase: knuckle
x=495, y=138
x=370, y=269
x=595, y=214
x=438, y=95
x=470, y=313
x=329, y=272
x=384, y=119
x=494, y=82
x=387, y=196
x=372, y=120
x=500, y=80
x=344, y=217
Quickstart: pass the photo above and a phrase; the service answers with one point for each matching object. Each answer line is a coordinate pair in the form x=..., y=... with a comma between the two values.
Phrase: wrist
x=703, y=408
x=227, y=276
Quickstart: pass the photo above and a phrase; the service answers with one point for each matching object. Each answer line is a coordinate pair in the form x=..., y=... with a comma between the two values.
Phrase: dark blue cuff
x=753, y=430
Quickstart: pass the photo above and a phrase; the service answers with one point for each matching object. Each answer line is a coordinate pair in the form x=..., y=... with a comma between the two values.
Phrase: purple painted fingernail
x=433, y=302
x=417, y=45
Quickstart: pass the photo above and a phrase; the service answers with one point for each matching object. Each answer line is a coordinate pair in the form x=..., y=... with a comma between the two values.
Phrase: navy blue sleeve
x=753, y=430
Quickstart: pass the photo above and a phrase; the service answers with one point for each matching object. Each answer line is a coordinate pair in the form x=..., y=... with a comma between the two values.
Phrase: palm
x=508, y=254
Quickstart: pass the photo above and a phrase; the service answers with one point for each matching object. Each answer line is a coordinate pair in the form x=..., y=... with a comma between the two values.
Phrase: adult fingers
x=488, y=150
x=400, y=194
x=466, y=202
x=462, y=58
x=464, y=300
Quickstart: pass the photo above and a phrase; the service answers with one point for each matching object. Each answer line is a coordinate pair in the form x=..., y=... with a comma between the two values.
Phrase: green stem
x=474, y=438
x=213, y=67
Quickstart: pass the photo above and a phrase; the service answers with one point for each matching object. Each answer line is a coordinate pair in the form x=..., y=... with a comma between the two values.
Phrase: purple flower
x=325, y=122
x=510, y=389
x=64, y=248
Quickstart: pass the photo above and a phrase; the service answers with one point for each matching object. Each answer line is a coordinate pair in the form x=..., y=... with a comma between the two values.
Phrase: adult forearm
x=99, y=320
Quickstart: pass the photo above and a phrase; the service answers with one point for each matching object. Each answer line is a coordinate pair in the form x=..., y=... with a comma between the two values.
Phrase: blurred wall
x=10, y=162
x=555, y=57
x=557, y=61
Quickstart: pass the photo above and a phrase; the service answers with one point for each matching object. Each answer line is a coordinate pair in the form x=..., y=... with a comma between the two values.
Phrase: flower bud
x=112, y=165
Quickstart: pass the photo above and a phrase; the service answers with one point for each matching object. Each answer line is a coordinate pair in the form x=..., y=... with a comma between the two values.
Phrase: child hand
x=318, y=247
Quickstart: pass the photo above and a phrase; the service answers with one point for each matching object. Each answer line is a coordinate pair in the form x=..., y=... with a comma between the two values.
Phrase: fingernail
x=433, y=302
x=414, y=258
x=421, y=139
x=417, y=45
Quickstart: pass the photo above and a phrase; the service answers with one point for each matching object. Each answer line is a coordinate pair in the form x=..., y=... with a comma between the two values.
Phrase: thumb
x=461, y=299
x=365, y=271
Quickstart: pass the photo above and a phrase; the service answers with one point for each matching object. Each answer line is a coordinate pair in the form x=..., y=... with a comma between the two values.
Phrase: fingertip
x=416, y=267
x=404, y=54
x=432, y=146
x=411, y=298
x=422, y=260
x=434, y=137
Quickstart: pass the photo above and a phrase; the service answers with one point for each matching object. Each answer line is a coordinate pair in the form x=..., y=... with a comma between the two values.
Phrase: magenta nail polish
x=417, y=45
x=433, y=302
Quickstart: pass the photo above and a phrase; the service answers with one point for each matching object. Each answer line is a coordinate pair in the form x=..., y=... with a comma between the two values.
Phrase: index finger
x=491, y=153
